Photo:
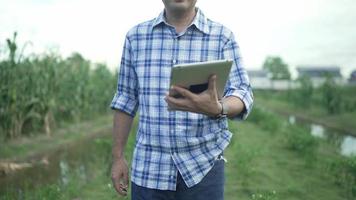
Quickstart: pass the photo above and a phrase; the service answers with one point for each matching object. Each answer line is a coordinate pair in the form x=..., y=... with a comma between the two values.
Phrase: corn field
x=40, y=92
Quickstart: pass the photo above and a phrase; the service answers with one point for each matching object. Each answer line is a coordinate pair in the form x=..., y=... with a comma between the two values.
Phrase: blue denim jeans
x=210, y=188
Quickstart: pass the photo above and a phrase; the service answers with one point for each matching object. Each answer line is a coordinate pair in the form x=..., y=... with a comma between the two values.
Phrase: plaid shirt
x=172, y=141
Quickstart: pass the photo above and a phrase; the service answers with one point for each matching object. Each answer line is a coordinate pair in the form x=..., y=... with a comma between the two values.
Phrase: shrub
x=300, y=140
x=344, y=173
x=265, y=119
x=331, y=96
x=302, y=97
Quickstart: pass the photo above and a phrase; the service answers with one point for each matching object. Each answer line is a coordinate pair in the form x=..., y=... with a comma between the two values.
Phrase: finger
x=176, y=104
x=118, y=186
x=171, y=92
x=170, y=107
x=123, y=192
x=126, y=179
x=212, y=84
x=184, y=92
x=123, y=189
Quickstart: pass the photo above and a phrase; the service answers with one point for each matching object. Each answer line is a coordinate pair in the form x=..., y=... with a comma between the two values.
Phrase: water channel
x=80, y=161
x=343, y=141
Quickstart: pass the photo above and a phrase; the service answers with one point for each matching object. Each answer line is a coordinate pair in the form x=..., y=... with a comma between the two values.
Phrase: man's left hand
x=206, y=102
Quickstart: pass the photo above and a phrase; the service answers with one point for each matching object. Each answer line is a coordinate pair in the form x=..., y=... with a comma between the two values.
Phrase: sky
x=301, y=32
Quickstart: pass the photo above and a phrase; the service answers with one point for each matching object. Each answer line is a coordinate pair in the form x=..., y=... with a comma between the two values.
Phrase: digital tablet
x=195, y=76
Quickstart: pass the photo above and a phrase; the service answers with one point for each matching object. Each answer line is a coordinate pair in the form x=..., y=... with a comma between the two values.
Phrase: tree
x=278, y=69
x=331, y=95
x=303, y=96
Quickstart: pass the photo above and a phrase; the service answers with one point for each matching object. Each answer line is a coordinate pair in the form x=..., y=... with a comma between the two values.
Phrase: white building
x=261, y=79
x=318, y=74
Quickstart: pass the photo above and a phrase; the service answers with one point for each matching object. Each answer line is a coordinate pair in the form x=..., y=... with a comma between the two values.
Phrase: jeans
x=210, y=188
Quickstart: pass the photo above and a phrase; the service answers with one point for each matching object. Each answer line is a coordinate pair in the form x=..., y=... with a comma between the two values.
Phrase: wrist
x=217, y=111
x=118, y=156
x=222, y=111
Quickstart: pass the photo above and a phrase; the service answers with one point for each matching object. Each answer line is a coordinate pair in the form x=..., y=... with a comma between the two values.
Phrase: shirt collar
x=200, y=21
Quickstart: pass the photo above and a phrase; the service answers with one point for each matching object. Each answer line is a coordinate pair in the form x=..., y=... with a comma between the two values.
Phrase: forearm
x=234, y=104
x=122, y=126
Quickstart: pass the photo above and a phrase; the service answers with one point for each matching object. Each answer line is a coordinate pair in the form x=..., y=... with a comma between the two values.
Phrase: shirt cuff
x=247, y=98
x=125, y=104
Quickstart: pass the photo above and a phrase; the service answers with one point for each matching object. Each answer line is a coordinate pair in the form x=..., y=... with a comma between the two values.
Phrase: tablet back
x=195, y=76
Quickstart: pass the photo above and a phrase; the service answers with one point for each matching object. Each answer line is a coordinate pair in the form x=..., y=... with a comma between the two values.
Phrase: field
x=55, y=134
x=266, y=160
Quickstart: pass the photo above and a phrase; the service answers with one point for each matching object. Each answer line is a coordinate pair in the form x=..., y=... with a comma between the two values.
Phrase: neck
x=180, y=20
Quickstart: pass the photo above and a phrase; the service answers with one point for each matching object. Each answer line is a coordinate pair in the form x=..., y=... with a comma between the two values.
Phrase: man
x=179, y=142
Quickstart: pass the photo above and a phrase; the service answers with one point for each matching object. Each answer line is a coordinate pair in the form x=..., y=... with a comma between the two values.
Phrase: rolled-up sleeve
x=238, y=84
x=126, y=96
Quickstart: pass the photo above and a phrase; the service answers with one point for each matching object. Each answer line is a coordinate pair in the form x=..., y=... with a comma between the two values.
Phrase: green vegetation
x=343, y=171
x=292, y=103
x=330, y=97
x=25, y=147
x=40, y=92
x=268, y=158
x=95, y=185
x=277, y=68
x=302, y=96
x=283, y=164
x=263, y=163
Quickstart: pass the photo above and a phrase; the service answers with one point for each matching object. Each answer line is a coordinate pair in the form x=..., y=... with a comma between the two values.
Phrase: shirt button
x=174, y=61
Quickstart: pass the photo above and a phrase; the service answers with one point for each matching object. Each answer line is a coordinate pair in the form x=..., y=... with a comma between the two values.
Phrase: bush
x=300, y=140
x=265, y=119
x=302, y=97
x=344, y=173
x=331, y=96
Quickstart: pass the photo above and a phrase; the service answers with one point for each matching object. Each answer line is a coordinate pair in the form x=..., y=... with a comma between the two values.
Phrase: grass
x=25, y=147
x=262, y=164
x=343, y=121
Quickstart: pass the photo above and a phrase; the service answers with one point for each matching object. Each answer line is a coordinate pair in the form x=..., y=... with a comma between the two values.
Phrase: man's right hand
x=120, y=175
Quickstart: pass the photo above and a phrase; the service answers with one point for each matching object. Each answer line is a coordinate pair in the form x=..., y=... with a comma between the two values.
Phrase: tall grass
x=38, y=93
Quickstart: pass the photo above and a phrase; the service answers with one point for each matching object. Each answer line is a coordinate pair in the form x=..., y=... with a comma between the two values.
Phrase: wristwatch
x=224, y=111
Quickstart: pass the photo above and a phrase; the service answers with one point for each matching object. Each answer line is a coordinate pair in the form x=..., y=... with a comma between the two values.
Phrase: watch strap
x=223, y=112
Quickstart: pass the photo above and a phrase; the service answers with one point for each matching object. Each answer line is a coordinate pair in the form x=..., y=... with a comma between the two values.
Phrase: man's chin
x=180, y=7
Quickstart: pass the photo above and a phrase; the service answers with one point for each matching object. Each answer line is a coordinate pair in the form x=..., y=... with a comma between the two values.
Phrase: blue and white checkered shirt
x=172, y=141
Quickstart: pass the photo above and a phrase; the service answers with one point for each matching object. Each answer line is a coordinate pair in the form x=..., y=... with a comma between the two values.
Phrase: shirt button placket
x=173, y=114
x=174, y=61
